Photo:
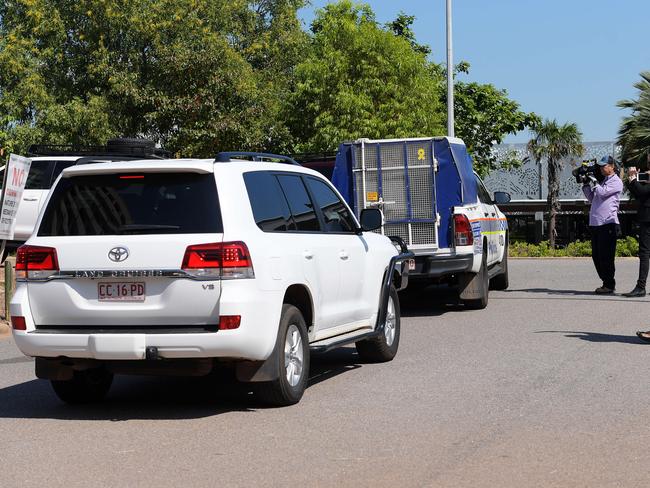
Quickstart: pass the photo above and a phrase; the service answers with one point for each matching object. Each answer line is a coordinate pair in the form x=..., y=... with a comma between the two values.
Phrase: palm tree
x=554, y=142
x=634, y=134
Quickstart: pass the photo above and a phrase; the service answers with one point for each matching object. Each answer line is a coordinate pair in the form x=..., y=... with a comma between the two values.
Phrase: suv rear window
x=128, y=204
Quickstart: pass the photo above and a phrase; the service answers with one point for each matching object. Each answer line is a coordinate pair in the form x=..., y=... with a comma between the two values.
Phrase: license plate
x=120, y=291
x=411, y=264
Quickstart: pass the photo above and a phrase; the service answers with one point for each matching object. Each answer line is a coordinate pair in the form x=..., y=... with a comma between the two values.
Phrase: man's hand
x=632, y=173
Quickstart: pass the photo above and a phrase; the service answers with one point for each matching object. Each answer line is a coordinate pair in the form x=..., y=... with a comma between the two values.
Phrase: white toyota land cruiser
x=155, y=267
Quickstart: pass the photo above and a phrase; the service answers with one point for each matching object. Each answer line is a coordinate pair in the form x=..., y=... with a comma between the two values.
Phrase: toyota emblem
x=118, y=254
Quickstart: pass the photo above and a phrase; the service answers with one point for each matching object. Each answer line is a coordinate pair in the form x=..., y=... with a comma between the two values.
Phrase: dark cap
x=605, y=160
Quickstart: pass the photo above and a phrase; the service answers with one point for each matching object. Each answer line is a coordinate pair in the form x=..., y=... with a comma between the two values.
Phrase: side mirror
x=370, y=219
x=501, y=197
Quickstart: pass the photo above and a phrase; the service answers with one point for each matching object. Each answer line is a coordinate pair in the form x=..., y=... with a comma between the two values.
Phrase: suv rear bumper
x=107, y=346
x=254, y=339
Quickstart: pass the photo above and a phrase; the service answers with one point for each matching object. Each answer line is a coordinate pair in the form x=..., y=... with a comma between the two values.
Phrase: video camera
x=588, y=168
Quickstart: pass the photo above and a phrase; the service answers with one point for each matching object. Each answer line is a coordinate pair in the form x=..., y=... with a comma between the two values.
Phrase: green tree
x=195, y=75
x=634, y=133
x=359, y=79
x=401, y=27
x=554, y=142
x=484, y=115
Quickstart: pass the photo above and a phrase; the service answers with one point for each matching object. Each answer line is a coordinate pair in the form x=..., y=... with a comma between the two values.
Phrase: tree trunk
x=553, y=199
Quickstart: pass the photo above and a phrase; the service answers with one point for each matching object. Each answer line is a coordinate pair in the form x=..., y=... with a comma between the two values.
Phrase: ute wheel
x=90, y=385
x=500, y=282
x=292, y=361
x=484, y=286
x=130, y=142
x=383, y=347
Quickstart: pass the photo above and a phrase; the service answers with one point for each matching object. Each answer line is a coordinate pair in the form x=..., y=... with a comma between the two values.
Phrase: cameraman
x=641, y=191
x=604, y=195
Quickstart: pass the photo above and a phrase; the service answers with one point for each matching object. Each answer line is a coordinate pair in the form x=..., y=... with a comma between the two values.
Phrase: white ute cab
x=176, y=266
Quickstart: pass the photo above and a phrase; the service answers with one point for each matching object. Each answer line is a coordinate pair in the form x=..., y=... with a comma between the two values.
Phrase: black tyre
x=292, y=361
x=483, y=280
x=384, y=347
x=130, y=142
x=90, y=385
x=500, y=282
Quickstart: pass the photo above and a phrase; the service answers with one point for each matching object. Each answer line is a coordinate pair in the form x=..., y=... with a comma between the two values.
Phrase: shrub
x=624, y=248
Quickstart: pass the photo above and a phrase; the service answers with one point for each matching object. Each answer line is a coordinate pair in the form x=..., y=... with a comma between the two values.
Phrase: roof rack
x=124, y=150
x=225, y=157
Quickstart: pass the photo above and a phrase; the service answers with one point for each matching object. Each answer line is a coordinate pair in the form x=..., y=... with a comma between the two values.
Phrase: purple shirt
x=604, y=199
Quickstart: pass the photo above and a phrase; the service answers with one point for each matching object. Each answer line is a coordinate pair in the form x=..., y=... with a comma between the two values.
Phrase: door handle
x=308, y=254
x=30, y=199
x=344, y=255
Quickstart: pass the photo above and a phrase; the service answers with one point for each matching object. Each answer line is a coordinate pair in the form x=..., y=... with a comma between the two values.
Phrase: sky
x=569, y=60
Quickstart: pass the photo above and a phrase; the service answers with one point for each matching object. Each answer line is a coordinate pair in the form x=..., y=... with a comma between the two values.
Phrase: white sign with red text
x=15, y=178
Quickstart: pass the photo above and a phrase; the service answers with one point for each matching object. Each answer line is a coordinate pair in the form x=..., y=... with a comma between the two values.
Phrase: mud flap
x=254, y=371
x=470, y=286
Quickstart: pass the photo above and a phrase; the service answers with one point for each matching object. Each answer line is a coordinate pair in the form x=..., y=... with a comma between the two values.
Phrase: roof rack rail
x=111, y=158
x=225, y=157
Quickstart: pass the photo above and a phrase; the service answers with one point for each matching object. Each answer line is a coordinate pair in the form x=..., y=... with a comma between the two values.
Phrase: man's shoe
x=637, y=292
x=643, y=335
x=603, y=290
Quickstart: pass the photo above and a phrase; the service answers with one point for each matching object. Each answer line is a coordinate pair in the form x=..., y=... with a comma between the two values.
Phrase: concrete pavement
x=546, y=387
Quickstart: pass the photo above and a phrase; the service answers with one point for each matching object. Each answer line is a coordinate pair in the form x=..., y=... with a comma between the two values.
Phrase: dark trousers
x=603, y=252
x=644, y=253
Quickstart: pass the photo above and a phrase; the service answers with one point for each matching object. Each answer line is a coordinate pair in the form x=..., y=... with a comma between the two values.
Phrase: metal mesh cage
x=399, y=189
x=424, y=234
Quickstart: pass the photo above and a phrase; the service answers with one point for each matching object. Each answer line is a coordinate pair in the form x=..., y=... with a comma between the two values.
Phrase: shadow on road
x=569, y=295
x=429, y=301
x=549, y=291
x=160, y=398
x=595, y=336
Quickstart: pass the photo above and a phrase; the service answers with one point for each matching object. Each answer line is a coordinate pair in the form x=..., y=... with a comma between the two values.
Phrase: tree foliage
x=484, y=115
x=634, y=133
x=553, y=142
x=195, y=75
x=361, y=80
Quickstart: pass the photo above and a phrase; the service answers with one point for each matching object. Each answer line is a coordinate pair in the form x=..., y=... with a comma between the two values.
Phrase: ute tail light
x=462, y=231
x=36, y=263
x=225, y=260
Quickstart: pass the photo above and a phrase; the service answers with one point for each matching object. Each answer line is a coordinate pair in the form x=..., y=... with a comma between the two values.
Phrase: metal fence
x=530, y=181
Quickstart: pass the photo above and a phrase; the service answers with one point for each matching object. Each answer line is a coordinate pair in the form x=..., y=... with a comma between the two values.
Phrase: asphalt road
x=546, y=387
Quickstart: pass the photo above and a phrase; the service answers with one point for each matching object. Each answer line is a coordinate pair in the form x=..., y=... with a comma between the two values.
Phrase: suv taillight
x=36, y=262
x=462, y=231
x=225, y=260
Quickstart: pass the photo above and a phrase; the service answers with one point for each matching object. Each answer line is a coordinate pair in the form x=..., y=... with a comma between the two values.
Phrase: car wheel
x=292, y=361
x=483, y=283
x=384, y=347
x=500, y=282
x=90, y=385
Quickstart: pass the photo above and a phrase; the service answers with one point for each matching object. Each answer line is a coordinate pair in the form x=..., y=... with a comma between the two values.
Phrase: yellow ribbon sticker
x=420, y=154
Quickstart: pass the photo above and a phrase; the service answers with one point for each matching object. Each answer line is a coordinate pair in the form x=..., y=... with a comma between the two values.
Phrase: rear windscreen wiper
x=145, y=227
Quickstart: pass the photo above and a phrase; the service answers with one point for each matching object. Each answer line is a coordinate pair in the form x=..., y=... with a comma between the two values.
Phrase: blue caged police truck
x=433, y=200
